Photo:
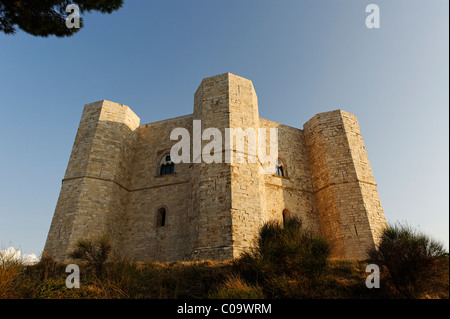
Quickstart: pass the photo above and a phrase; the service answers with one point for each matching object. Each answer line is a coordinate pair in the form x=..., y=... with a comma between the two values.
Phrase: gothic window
x=280, y=168
x=166, y=166
x=161, y=217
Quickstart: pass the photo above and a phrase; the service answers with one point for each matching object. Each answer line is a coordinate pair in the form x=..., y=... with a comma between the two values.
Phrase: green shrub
x=287, y=261
x=286, y=250
x=414, y=262
x=95, y=252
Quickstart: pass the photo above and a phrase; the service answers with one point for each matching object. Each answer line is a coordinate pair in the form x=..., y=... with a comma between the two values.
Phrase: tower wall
x=348, y=205
x=210, y=183
x=228, y=198
x=94, y=191
x=248, y=196
x=144, y=238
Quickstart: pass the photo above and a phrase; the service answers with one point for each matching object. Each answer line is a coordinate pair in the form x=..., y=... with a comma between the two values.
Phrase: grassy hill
x=287, y=262
x=195, y=280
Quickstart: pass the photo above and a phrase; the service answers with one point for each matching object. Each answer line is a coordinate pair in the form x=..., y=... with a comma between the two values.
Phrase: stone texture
x=348, y=205
x=213, y=211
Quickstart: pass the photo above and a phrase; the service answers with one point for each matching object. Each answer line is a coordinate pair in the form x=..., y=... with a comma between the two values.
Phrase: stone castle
x=121, y=181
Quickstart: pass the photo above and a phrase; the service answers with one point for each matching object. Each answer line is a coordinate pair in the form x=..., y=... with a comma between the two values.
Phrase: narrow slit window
x=161, y=217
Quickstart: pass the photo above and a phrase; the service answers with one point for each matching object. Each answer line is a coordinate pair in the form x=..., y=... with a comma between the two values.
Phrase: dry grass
x=287, y=264
x=194, y=280
x=189, y=280
x=234, y=287
x=10, y=270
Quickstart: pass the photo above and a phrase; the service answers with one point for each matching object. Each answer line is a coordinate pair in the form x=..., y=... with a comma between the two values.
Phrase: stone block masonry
x=347, y=201
x=113, y=183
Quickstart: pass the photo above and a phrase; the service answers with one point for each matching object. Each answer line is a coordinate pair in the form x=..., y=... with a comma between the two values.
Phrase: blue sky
x=304, y=57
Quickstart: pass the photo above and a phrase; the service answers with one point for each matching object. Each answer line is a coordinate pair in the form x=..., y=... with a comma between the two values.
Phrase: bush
x=287, y=260
x=415, y=263
x=46, y=267
x=287, y=250
x=94, y=252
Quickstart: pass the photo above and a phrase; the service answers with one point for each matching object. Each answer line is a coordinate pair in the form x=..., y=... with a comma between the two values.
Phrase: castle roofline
x=227, y=74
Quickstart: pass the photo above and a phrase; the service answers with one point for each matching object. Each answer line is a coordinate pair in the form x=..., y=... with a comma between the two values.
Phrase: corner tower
x=348, y=205
x=94, y=190
x=228, y=205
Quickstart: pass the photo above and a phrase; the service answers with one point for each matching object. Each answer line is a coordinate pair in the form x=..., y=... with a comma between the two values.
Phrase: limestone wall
x=145, y=239
x=93, y=195
x=211, y=183
x=294, y=191
x=348, y=205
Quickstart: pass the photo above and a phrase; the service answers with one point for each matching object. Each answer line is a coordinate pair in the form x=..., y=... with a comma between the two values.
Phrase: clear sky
x=304, y=57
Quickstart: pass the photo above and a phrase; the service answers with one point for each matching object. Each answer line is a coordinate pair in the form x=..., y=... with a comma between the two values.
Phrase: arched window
x=286, y=216
x=166, y=166
x=161, y=217
x=280, y=168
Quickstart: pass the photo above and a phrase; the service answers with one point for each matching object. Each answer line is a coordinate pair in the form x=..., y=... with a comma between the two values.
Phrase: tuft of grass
x=95, y=252
x=234, y=287
x=122, y=276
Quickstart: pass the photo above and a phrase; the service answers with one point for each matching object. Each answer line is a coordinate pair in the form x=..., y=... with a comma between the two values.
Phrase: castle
x=121, y=181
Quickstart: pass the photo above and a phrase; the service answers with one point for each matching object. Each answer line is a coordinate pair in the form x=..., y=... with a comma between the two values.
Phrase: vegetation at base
x=414, y=263
x=286, y=262
x=10, y=270
x=93, y=252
